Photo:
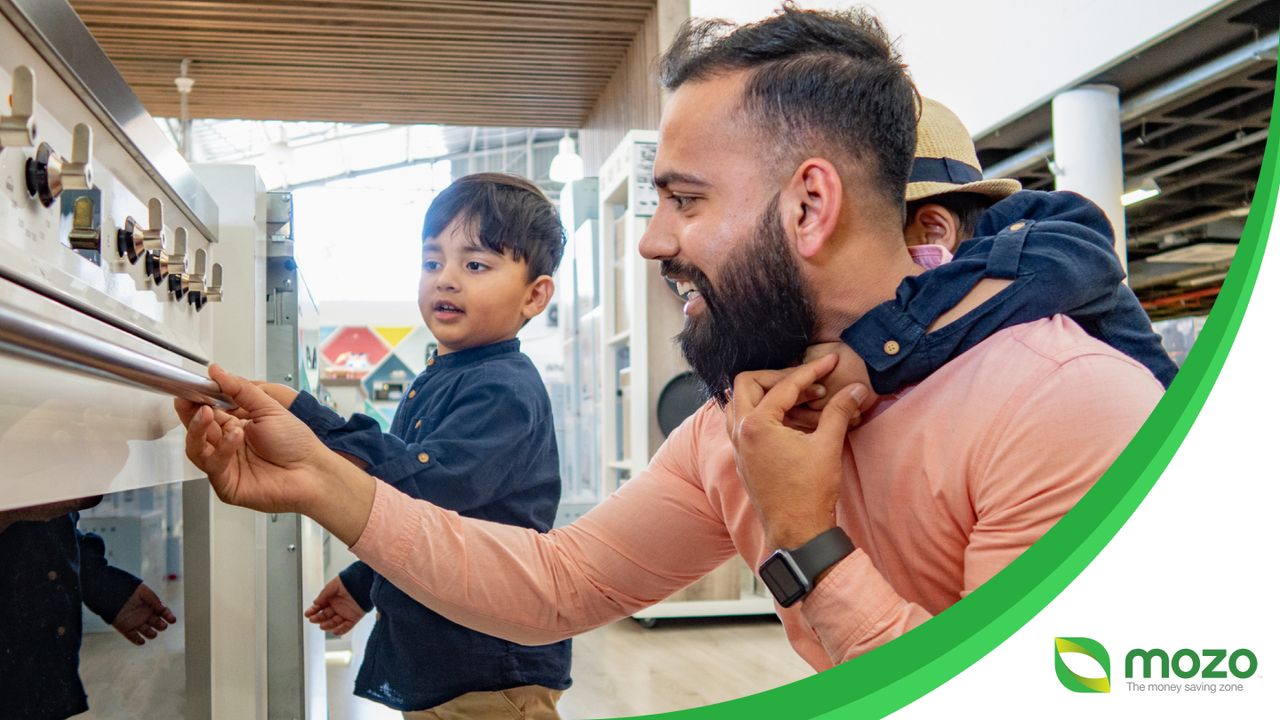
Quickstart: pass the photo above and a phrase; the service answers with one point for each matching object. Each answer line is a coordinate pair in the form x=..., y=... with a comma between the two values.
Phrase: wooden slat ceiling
x=509, y=63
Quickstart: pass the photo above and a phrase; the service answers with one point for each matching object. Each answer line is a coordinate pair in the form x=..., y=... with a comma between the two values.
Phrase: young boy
x=473, y=434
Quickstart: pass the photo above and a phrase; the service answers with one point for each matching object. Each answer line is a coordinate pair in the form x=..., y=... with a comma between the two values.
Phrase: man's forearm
x=343, y=498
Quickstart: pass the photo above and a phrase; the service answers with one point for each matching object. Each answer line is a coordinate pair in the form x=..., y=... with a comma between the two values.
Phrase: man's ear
x=810, y=205
x=933, y=224
x=537, y=296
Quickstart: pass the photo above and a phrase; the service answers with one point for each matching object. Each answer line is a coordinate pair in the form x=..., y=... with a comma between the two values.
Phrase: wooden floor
x=623, y=669
x=618, y=670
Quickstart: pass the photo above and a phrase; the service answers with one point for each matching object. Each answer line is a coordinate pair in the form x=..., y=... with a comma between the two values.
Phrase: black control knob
x=129, y=241
x=48, y=174
x=44, y=175
x=176, y=267
x=156, y=264
x=194, y=280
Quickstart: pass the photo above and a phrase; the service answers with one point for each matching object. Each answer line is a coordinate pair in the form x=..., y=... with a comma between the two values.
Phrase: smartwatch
x=791, y=574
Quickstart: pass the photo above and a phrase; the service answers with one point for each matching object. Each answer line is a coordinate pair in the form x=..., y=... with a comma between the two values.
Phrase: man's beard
x=759, y=316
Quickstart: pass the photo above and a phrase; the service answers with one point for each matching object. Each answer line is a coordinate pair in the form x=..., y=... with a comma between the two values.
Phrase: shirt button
x=892, y=347
x=61, y=631
x=417, y=425
x=1017, y=226
x=412, y=393
x=431, y=361
x=423, y=457
x=53, y=575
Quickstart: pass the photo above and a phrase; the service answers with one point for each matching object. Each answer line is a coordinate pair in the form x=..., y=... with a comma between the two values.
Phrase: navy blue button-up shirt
x=473, y=434
x=1056, y=247
x=47, y=569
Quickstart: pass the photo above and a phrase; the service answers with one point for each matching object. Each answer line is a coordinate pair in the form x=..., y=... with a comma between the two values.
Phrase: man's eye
x=681, y=201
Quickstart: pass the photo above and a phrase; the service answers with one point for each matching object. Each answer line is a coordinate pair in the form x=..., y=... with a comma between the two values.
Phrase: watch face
x=782, y=579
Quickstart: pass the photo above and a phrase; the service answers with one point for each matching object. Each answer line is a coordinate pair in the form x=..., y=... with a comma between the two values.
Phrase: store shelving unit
x=639, y=317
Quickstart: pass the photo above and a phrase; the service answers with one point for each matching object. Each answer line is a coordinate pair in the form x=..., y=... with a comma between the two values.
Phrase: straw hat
x=946, y=160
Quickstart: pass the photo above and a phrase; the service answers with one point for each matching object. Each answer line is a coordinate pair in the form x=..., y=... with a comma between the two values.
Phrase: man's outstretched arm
x=653, y=537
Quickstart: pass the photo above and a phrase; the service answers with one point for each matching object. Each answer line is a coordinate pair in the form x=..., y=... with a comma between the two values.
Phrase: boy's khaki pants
x=528, y=702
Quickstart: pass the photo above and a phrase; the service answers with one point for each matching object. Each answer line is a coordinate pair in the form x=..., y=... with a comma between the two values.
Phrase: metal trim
x=97, y=313
x=62, y=39
x=1261, y=50
x=57, y=345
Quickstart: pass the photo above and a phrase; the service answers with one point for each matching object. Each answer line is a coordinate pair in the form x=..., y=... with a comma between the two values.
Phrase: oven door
x=86, y=408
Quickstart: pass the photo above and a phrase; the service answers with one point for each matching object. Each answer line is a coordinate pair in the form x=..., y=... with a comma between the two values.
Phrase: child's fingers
x=328, y=621
x=226, y=450
x=244, y=393
x=222, y=417
x=185, y=409
x=811, y=394
x=213, y=429
x=197, y=433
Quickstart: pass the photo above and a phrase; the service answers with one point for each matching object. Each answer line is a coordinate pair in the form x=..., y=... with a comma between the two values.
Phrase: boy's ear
x=538, y=296
x=933, y=224
x=810, y=204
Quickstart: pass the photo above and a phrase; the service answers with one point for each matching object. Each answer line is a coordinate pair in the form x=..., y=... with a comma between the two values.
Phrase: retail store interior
x=260, y=174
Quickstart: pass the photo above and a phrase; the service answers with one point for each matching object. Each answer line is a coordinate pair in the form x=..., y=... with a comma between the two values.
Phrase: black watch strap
x=814, y=557
x=791, y=574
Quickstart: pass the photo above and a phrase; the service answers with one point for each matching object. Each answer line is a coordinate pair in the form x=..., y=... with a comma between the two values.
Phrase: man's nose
x=658, y=242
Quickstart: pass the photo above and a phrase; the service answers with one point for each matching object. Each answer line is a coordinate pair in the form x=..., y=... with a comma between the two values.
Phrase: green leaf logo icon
x=1089, y=648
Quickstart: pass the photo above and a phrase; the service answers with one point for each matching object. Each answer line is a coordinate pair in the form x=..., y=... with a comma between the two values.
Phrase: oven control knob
x=193, y=281
x=213, y=291
x=48, y=174
x=176, y=265
x=18, y=129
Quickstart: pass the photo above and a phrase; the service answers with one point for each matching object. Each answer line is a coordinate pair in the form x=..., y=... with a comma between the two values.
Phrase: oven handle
x=58, y=345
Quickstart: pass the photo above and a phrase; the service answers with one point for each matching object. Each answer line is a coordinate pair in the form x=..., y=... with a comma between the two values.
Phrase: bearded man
x=783, y=156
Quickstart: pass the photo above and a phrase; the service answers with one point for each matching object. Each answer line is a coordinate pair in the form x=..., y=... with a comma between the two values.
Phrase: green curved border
x=905, y=669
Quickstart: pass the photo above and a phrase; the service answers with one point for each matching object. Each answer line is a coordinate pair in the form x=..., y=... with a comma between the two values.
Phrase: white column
x=1086, y=149
x=227, y=563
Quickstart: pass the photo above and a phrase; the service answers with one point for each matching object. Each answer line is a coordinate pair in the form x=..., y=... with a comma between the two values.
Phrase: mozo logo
x=1185, y=663
x=1089, y=648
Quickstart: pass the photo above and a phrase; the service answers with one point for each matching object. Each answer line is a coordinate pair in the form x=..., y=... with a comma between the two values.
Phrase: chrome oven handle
x=51, y=343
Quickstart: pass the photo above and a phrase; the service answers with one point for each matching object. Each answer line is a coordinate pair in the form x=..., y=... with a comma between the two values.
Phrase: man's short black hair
x=505, y=212
x=966, y=206
x=819, y=81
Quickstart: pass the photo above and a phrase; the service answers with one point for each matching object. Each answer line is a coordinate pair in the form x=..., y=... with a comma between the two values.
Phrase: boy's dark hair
x=966, y=206
x=827, y=81
x=505, y=212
